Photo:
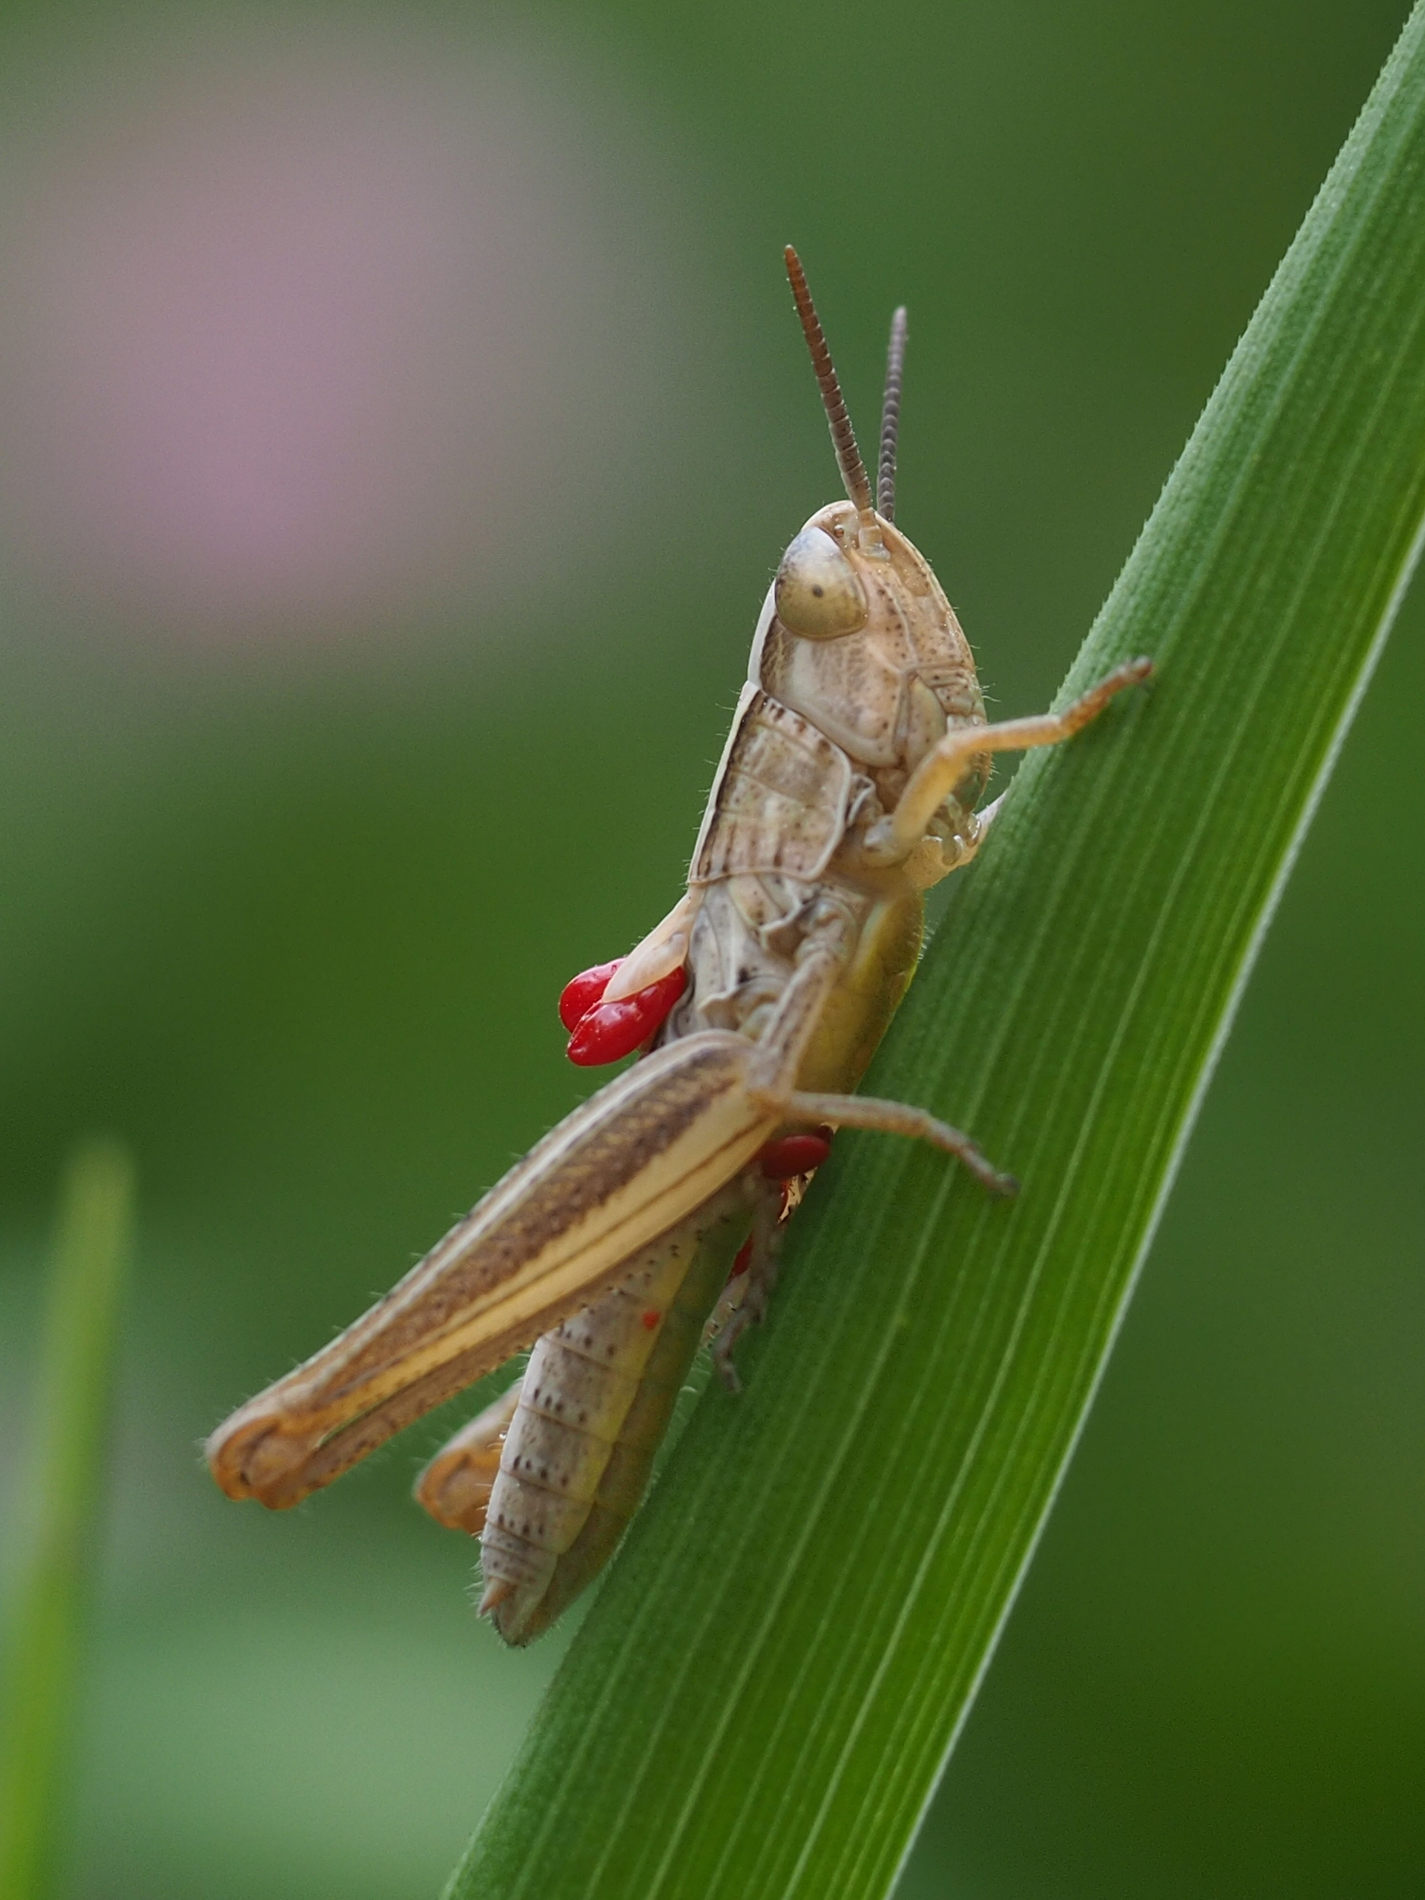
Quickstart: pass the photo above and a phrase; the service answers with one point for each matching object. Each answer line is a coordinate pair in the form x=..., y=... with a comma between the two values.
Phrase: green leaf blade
x=765, y=1692
x=46, y=1633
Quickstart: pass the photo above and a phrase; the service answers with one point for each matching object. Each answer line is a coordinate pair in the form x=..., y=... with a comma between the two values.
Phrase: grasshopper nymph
x=847, y=787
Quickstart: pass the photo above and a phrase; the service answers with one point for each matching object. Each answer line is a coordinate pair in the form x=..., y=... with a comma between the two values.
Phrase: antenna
x=843, y=436
x=891, y=418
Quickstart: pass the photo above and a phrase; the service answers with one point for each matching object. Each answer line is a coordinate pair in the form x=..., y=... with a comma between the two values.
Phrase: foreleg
x=896, y=836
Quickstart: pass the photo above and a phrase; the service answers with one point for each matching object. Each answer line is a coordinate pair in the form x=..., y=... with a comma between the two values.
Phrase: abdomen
x=594, y=1405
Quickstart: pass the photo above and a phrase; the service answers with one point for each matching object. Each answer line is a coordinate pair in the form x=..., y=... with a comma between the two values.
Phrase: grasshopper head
x=841, y=572
x=856, y=634
x=837, y=570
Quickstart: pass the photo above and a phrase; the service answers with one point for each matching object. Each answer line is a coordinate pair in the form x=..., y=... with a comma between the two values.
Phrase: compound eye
x=817, y=592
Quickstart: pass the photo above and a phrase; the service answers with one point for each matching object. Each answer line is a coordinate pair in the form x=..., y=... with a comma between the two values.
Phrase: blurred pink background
x=308, y=328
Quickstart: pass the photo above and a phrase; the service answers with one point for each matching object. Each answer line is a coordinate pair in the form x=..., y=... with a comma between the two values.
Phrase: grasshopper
x=847, y=788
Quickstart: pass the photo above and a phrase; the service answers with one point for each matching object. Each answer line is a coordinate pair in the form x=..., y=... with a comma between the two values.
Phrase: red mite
x=583, y=992
x=782, y=1160
x=605, y=1032
x=791, y=1155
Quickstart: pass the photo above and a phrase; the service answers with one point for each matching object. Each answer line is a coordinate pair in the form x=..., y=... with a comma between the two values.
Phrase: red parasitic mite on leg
x=584, y=992
x=790, y=1155
x=606, y=1032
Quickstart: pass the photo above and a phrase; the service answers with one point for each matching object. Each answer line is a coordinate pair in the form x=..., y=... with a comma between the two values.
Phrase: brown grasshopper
x=846, y=789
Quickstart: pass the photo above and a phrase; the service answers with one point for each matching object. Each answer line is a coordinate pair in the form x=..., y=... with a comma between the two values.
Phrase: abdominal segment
x=594, y=1404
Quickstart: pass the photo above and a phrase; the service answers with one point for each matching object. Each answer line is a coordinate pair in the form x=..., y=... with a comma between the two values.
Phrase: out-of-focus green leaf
x=46, y=1631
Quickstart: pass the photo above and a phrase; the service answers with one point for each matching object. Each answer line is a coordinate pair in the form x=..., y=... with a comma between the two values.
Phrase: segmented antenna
x=891, y=419
x=843, y=436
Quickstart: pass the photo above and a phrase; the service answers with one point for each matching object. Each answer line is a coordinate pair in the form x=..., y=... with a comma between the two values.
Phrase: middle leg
x=773, y=1069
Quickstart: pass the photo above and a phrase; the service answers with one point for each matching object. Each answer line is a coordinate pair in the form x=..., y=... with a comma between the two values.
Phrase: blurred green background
x=404, y=415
